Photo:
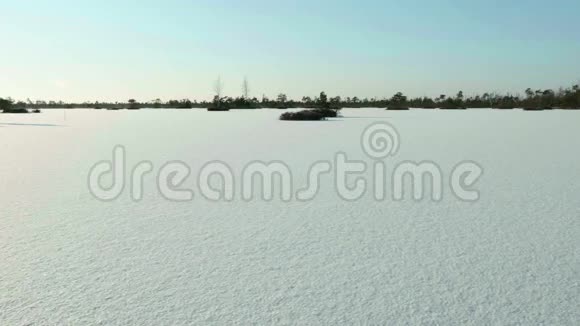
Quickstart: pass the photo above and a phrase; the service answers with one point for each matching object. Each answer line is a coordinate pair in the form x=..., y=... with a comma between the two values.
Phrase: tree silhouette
x=218, y=88
x=246, y=88
x=6, y=104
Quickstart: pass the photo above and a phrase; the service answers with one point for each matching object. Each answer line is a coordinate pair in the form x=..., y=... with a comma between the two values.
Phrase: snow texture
x=512, y=258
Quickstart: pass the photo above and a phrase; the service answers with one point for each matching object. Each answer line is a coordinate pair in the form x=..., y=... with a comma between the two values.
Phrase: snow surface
x=66, y=258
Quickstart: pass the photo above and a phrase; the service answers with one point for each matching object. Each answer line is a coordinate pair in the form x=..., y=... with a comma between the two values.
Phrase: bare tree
x=246, y=88
x=218, y=87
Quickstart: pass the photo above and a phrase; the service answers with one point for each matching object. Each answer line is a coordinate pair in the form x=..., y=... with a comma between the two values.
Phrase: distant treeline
x=563, y=98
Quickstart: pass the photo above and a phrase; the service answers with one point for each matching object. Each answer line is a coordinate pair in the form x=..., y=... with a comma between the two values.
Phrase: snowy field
x=511, y=258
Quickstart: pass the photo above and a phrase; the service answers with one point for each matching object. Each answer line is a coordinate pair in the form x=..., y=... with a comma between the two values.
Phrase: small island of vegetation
x=323, y=109
x=7, y=106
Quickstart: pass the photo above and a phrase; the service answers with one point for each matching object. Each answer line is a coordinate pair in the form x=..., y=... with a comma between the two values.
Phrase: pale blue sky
x=115, y=50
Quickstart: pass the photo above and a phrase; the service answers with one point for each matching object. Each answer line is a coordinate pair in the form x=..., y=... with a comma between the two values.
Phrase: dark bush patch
x=15, y=110
x=533, y=109
x=327, y=113
x=305, y=115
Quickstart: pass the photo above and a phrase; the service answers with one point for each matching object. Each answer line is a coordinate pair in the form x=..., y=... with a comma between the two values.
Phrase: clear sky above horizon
x=116, y=50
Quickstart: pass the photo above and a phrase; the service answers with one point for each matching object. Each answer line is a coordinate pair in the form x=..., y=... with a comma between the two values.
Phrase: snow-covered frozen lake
x=66, y=258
